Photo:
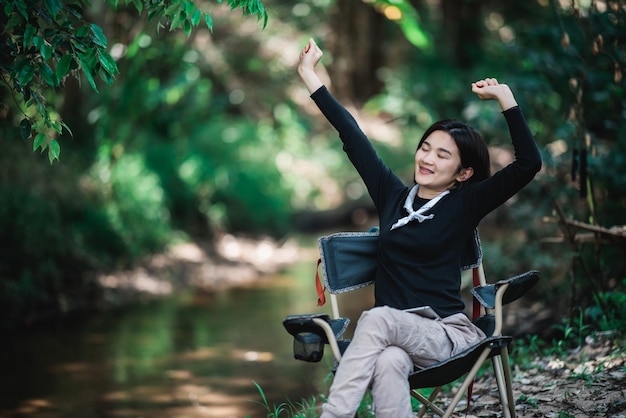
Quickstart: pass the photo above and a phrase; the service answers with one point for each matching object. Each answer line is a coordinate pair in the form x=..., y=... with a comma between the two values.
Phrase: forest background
x=145, y=137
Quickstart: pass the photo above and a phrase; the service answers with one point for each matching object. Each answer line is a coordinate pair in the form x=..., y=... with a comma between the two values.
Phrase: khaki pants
x=387, y=344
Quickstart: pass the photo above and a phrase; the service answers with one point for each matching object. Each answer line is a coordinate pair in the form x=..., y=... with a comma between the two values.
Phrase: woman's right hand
x=309, y=57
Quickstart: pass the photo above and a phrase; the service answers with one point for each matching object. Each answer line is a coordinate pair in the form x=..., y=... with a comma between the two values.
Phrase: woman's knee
x=393, y=360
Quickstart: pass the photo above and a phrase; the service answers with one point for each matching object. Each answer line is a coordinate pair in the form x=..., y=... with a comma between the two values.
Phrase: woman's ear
x=465, y=174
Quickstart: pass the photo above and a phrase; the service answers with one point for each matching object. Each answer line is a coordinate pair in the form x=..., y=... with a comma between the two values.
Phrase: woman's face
x=438, y=165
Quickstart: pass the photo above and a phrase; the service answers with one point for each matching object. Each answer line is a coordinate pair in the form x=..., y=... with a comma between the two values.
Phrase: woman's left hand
x=491, y=89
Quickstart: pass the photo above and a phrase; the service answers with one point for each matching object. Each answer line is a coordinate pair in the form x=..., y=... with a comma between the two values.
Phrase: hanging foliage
x=45, y=41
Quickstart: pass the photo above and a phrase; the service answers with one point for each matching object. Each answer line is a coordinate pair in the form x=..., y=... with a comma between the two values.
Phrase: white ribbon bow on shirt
x=417, y=214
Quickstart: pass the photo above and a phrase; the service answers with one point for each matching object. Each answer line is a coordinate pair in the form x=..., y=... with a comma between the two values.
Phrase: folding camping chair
x=312, y=331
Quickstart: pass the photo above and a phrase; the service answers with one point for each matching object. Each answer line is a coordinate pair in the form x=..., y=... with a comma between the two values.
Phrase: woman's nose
x=427, y=158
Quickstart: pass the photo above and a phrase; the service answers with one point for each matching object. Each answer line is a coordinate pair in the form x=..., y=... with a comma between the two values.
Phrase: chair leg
x=468, y=379
x=427, y=402
x=503, y=382
x=506, y=365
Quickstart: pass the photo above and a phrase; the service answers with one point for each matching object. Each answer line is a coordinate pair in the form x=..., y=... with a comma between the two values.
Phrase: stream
x=197, y=354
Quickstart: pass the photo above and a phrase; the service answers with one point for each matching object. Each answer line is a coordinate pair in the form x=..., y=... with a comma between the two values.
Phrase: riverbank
x=227, y=262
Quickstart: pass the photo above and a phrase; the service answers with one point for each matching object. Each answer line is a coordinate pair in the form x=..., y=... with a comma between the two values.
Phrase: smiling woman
x=423, y=232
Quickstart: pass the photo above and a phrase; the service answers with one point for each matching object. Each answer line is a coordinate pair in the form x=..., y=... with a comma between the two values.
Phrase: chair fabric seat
x=449, y=370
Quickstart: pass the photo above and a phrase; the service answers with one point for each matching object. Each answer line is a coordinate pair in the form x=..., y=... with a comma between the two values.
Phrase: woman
x=423, y=231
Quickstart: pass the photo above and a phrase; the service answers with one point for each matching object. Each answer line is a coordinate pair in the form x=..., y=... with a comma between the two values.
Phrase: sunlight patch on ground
x=140, y=280
x=264, y=254
x=239, y=261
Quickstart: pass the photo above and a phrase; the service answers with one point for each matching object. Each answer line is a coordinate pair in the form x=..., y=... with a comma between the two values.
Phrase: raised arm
x=309, y=57
x=490, y=89
x=494, y=191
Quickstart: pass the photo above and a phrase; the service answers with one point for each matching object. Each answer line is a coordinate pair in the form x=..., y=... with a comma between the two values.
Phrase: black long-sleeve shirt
x=420, y=263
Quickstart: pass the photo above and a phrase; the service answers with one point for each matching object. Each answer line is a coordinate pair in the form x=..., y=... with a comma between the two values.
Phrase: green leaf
x=57, y=125
x=108, y=78
x=29, y=32
x=78, y=46
x=57, y=41
x=63, y=66
x=98, y=37
x=90, y=59
x=47, y=74
x=209, y=21
x=413, y=33
x=82, y=32
x=66, y=127
x=46, y=51
x=26, y=74
x=38, y=41
x=25, y=128
x=54, y=150
x=53, y=6
x=177, y=21
x=14, y=21
x=8, y=8
x=108, y=63
x=87, y=70
x=75, y=10
x=172, y=10
x=195, y=19
x=189, y=7
x=187, y=27
x=40, y=142
x=22, y=8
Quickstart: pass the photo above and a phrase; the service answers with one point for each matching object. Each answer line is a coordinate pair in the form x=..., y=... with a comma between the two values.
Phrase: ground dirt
x=588, y=382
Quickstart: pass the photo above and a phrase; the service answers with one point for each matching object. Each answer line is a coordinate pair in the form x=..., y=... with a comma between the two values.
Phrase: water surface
x=198, y=354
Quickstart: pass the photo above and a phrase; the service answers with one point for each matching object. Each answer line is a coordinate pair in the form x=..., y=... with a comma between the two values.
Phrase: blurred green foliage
x=205, y=132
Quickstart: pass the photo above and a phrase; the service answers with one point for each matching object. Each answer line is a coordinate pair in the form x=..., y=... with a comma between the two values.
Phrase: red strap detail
x=321, y=297
x=476, y=281
x=470, y=389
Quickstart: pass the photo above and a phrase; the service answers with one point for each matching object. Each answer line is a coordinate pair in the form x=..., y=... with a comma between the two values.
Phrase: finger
x=479, y=84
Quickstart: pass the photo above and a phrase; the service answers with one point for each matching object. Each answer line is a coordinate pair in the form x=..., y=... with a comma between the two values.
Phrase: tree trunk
x=462, y=20
x=358, y=50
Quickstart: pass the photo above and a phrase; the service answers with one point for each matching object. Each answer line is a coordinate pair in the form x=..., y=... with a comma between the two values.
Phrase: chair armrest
x=295, y=324
x=516, y=287
x=330, y=331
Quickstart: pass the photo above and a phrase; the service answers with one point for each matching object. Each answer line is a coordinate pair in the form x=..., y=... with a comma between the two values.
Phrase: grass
x=304, y=409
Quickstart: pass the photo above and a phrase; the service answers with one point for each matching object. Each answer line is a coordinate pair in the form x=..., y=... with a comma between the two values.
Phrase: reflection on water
x=195, y=355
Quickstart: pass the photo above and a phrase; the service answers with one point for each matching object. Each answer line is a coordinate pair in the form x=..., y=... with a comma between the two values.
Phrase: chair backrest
x=348, y=261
